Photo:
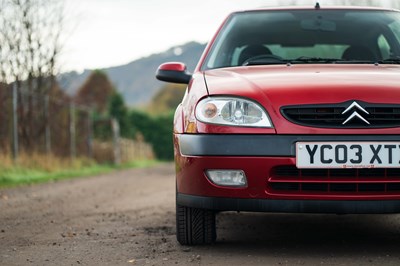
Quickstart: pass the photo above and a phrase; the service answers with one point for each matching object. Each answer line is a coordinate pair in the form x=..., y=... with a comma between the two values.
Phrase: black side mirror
x=173, y=72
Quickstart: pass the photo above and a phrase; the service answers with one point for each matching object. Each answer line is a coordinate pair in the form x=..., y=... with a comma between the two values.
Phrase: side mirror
x=173, y=72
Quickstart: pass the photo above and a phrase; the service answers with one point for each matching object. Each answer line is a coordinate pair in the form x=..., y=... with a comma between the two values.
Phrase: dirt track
x=127, y=218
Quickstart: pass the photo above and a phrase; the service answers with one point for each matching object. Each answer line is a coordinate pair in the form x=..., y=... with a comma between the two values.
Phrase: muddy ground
x=127, y=218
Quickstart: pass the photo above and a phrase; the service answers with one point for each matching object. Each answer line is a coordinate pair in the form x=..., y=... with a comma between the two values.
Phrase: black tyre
x=195, y=226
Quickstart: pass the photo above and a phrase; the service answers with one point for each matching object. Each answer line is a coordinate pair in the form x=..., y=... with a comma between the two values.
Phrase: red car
x=291, y=110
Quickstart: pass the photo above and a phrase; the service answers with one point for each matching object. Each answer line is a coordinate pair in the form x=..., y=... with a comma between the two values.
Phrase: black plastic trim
x=182, y=77
x=260, y=145
x=342, y=105
x=289, y=206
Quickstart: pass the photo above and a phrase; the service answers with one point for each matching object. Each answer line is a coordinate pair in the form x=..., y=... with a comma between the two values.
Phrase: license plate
x=348, y=155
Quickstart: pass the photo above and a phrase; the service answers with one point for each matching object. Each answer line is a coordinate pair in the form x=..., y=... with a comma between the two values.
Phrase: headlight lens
x=232, y=111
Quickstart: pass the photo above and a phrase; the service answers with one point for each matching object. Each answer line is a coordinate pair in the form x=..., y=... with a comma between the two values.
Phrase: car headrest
x=358, y=53
x=252, y=51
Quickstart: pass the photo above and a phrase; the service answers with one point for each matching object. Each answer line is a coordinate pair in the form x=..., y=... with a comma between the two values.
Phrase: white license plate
x=348, y=154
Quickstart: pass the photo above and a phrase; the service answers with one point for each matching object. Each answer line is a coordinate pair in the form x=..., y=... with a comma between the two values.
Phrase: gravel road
x=127, y=218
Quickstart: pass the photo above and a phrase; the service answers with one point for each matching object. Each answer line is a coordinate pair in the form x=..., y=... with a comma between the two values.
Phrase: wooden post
x=15, y=122
x=90, y=134
x=72, y=131
x=47, y=132
x=116, y=146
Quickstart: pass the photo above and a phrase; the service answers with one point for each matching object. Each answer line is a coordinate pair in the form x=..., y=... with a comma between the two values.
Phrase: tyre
x=195, y=226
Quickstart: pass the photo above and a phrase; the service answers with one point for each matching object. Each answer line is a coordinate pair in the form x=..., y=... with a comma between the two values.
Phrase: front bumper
x=289, y=206
x=260, y=145
x=259, y=156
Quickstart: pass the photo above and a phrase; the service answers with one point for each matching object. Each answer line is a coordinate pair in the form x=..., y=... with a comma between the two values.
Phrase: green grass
x=19, y=175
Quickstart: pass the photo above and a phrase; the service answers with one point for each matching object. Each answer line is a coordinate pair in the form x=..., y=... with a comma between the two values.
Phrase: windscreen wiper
x=271, y=60
x=314, y=60
x=309, y=60
x=265, y=60
x=306, y=59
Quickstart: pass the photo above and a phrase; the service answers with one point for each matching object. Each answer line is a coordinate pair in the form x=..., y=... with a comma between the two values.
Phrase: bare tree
x=32, y=30
x=30, y=44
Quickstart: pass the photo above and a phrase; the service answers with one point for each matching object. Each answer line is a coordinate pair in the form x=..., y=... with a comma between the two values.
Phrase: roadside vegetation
x=152, y=124
x=36, y=168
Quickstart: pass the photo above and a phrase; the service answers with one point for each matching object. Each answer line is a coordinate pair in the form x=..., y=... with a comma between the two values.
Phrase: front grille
x=331, y=115
x=289, y=179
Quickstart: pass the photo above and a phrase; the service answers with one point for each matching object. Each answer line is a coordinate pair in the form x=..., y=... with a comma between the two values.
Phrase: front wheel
x=195, y=226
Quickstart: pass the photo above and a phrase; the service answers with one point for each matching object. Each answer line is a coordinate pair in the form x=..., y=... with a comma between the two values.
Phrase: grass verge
x=39, y=169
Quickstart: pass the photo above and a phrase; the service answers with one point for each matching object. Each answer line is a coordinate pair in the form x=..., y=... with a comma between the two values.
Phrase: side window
x=384, y=47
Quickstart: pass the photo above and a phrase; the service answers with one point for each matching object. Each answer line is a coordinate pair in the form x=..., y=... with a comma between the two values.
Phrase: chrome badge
x=357, y=108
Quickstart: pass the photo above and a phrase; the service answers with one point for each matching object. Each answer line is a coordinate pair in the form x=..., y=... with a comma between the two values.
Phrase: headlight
x=232, y=111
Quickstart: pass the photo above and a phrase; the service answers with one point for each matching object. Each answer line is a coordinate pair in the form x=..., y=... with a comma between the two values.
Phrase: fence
x=53, y=124
x=129, y=150
x=36, y=123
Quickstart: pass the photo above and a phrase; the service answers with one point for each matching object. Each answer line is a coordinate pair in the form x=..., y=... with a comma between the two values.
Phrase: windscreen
x=306, y=36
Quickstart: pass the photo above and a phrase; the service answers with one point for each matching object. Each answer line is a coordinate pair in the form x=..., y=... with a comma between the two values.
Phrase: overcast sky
x=104, y=33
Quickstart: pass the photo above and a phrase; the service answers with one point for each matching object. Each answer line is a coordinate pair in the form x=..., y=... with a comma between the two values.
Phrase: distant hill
x=136, y=81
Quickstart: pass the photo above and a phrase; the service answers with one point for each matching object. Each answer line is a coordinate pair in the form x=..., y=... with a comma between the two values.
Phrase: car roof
x=322, y=7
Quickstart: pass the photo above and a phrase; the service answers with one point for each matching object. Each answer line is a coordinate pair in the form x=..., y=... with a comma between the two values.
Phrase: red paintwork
x=275, y=86
x=196, y=90
x=173, y=66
